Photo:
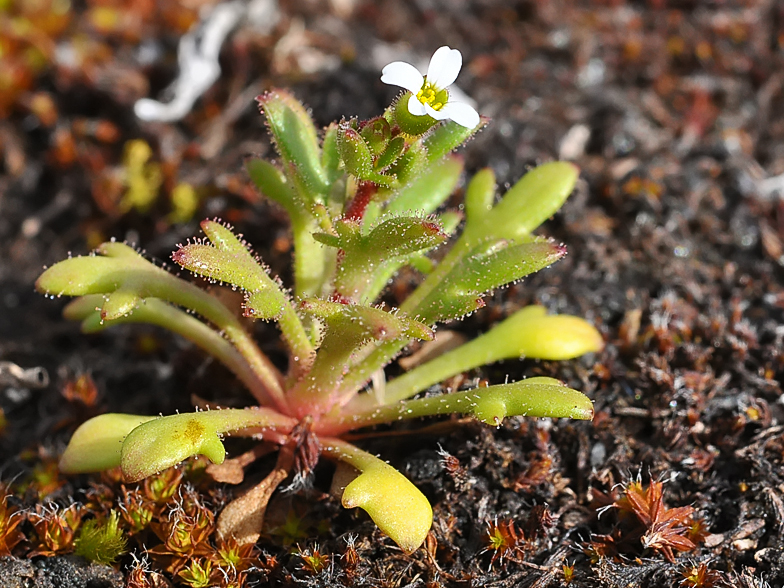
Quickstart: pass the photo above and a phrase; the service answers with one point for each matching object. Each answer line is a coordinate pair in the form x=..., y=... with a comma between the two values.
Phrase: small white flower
x=429, y=93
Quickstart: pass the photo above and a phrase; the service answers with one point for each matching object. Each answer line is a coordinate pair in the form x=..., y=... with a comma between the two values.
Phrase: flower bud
x=376, y=133
x=354, y=152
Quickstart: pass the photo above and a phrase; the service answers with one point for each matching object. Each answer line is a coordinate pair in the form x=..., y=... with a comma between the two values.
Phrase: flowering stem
x=378, y=358
x=365, y=192
x=301, y=351
x=311, y=259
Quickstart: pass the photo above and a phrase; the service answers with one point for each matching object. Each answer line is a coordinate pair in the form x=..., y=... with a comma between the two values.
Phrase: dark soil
x=672, y=110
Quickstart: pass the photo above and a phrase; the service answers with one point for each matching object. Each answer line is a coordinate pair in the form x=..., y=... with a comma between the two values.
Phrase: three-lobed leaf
x=488, y=266
x=527, y=204
x=228, y=260
x=365, y=256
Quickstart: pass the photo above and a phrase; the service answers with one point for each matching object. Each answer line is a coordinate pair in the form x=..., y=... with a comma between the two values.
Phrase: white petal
x=461, y=113
x=436, y=114
x=415, y=107
x=444, y=67
x=457, y=95
x=405, y=75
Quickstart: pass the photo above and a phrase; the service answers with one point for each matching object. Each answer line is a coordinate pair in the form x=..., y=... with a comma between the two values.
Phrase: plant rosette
x=365, y=199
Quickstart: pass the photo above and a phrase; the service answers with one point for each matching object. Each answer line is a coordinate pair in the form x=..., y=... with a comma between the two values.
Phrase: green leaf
x=347, y=329
x=354, y=152
x=384, y=271
x=529, y=332
x=228, y=260
x=357, y=157
x=125, y=271
x=393, y=150
x=534, y=397
x=355, y=324
x=82, y=275
x=376, y=133
x=330, y=158
x=231, y=262
x=115, y=249
x=486, y=267
x=493, y=265
x=157, y=312
x=296, y=139
x=450, y=220
x=402, y=236
x=167, y=441
x=329, y=240
x=163, y=442
x=222, y=238
x=273, y=184
x=531, y=201
x=84, y=307
x=428, y=191
x=390, y=243
x=313, y=263
x=447, y=137
x=480, y=195
x=420, y=263
x=241, y=270
x=119, y=303
x=411, y=163
x=264, y=300
x=96, y=445
x=397, y=506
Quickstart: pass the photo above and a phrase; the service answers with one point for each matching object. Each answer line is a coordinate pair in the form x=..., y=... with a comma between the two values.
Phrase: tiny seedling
x=365, y=199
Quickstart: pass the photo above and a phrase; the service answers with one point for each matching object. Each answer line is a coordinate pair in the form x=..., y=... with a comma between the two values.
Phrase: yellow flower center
x=430, y=94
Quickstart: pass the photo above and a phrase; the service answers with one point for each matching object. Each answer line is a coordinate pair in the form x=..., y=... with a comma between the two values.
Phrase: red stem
x=365, y=192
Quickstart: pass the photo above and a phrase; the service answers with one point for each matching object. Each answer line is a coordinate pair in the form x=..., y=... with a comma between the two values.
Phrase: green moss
x=101, y=541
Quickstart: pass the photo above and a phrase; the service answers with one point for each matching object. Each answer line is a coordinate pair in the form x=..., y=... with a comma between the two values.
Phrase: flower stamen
x=430, y=94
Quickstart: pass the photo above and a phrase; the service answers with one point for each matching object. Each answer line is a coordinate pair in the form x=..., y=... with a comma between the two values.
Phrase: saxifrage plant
x=364, y=200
